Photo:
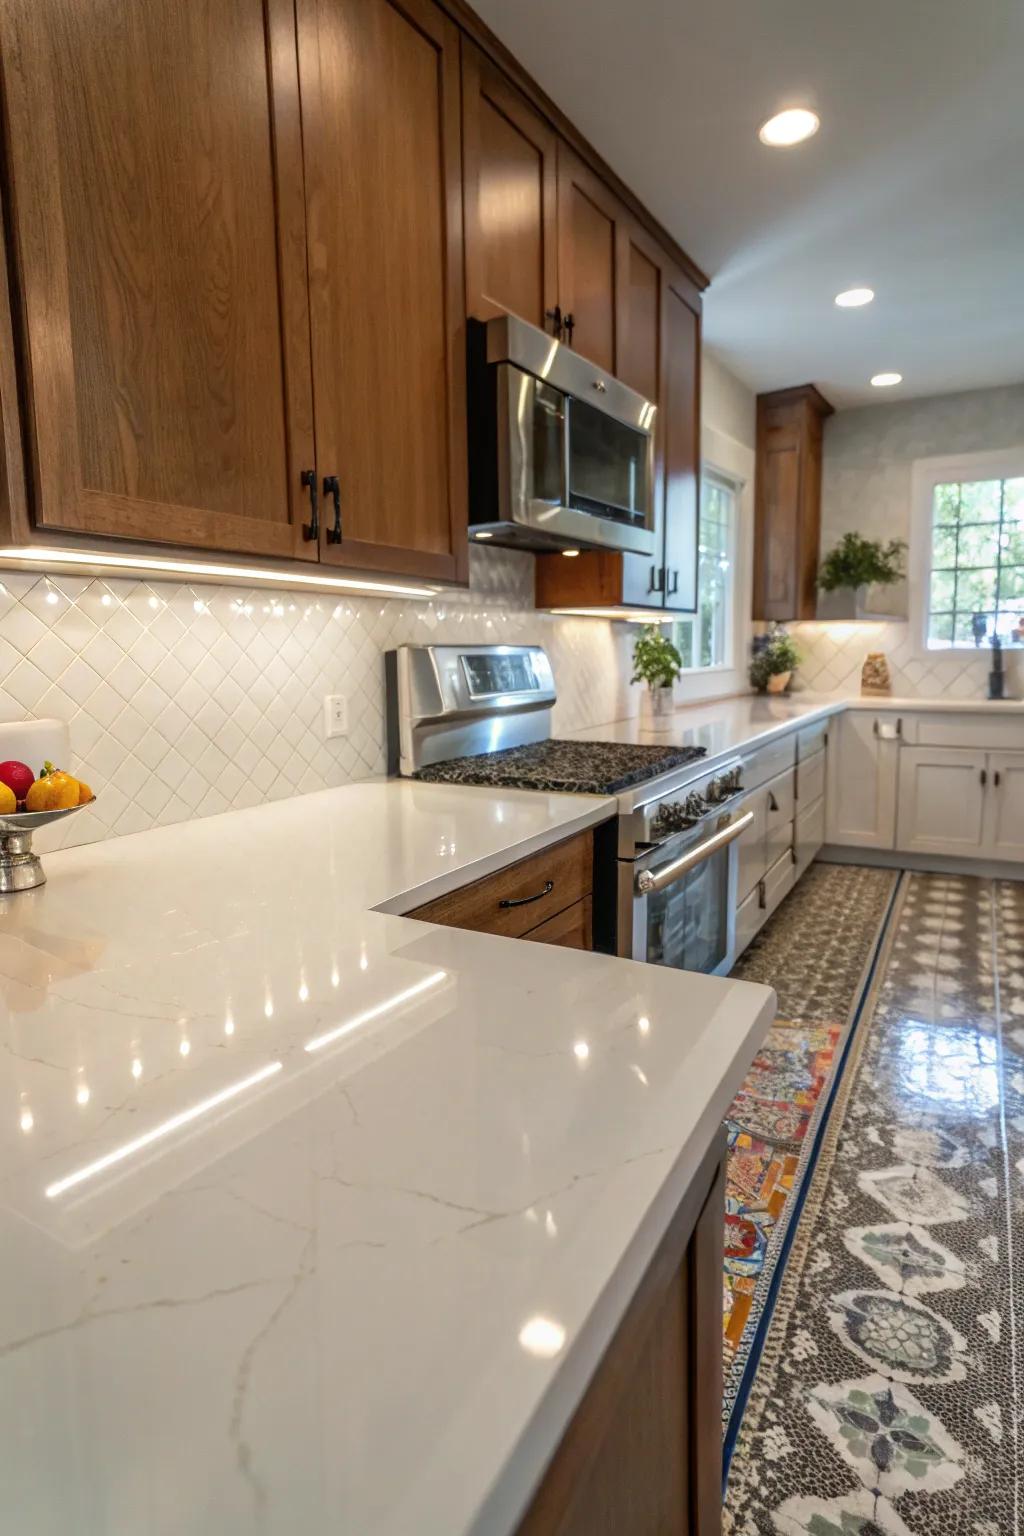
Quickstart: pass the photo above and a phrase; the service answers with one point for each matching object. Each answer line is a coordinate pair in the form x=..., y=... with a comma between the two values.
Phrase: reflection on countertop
x=292, y=1184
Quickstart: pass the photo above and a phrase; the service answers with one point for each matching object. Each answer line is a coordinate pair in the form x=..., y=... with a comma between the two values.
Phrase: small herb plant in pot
x=774, y=663
x=854, y=565
x=657, y=663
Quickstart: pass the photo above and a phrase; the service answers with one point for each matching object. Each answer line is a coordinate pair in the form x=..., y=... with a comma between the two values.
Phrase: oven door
x=677, y=903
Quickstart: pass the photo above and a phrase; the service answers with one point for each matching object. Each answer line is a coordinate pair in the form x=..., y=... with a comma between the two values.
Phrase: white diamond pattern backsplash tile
x=185, y=701
x=832, y=655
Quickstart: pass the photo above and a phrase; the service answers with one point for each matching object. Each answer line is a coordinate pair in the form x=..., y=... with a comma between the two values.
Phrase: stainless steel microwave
x=561, y=453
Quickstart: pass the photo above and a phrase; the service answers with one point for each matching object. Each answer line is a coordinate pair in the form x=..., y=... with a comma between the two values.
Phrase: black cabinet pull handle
x=773, y=804
x=332, y=487
x=995, y=778
x=984, y=777
x=569, y=325
x=654, y=580
x=762, y=895
x=674, y=588
x=524, y=901
x=311, y=530
x=557, y=323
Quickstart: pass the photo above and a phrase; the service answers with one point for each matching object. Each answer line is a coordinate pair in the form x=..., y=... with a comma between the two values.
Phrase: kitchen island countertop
x=317, y=1217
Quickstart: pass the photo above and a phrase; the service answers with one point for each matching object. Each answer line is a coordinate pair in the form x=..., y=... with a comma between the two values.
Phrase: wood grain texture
x=490, y=45
x=381, y=121
x=787, y=520
x=510, y=197
x=643, y=1452
x=146, y=148
x=572, y=929
x=569, y=866
x=681, y=412
x=639, y=356
x=588, y=259
x=593, y=579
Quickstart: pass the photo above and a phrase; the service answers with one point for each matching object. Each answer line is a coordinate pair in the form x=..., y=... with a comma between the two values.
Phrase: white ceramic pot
x=661, y=701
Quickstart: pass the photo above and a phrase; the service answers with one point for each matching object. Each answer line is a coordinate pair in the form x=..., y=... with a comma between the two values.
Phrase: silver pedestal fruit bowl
x=20, y=868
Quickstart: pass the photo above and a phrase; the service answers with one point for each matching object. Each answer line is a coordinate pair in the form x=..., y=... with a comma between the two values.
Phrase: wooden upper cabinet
x=158, y=246
x=787, y=521
x=641, y=299
x=680, y=411
x=511, y=198
x=381, y=132
x=589, y=262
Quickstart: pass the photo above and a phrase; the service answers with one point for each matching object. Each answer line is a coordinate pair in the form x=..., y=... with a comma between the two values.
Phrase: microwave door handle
x=648, y=881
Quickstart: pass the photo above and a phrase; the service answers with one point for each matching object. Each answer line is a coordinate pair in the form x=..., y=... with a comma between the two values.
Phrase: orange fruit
x=8, y=802
x=84, y=792
x=56, y=791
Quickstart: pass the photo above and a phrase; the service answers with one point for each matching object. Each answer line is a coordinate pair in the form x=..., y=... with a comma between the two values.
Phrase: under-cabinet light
x=150, y=565
x=629, y=615
x=570, y=554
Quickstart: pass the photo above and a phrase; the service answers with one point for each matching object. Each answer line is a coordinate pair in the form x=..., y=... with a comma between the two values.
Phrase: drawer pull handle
x=524, y=901
x=773, y=804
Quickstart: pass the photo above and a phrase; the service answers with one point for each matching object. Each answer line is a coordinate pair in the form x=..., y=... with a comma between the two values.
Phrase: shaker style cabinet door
x=589, y=262
x=511, y=199
x=382, y=147
x=157, y=237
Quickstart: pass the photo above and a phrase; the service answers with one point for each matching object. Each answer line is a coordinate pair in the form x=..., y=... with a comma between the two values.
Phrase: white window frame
x=997, y=464
x=735, y=484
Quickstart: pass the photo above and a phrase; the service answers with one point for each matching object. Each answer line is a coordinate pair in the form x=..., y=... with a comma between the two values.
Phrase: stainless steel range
x=666, y=868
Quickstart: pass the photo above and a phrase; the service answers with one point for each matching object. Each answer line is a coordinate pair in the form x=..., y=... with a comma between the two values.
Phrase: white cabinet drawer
x=810, y=779
x=750, y=916
x=808, y=833
x=811, y=739
x=780, y=794
x=779, y=881
x=979, y=730
x=766, y=762
x=751, y=861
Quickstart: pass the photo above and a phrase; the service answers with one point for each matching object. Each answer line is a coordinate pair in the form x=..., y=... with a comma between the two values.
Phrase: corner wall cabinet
x=787, y=496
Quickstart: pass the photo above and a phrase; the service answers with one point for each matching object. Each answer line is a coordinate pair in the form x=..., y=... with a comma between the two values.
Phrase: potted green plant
x=657, y=663
x=854, y=565
x=774, y=662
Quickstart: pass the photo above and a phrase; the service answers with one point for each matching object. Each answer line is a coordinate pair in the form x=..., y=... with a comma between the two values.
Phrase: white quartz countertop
x=745, y=721
x=315, y=1217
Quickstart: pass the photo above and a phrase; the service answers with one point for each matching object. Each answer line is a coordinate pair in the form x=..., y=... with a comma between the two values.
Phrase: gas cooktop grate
x=571, y=767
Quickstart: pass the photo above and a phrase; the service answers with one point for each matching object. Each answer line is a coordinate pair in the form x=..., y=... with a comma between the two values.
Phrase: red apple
x=17, y=777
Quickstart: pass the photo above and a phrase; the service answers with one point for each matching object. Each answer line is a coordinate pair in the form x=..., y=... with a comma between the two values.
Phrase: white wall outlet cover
x=335, y=715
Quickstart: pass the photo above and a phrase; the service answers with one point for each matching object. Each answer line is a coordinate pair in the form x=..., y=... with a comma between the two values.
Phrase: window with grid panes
x=977, y=574
x=703, y=640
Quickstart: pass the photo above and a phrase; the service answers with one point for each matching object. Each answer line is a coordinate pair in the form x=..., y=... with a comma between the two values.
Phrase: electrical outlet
x=335, y=715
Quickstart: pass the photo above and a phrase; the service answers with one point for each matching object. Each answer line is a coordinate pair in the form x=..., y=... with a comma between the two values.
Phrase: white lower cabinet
x=750, y=914
x=1004, y=821
x=863, y=767
x=942, y=801
x=808, y=833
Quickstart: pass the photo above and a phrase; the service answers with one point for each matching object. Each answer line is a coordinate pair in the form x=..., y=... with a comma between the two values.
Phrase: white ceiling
x=914, y=185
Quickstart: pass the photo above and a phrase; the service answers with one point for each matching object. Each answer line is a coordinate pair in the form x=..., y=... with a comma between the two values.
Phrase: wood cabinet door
x=510, y=180
x=382, y=147
x=589, y=259
x=941, y=800
x=158, y=239
x=681, y=411
x=862, y=780
x=776, y=557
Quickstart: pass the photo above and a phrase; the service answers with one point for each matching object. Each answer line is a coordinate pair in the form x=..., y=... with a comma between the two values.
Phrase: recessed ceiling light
x=853, y=298
x=886, y=380
x=789, y=127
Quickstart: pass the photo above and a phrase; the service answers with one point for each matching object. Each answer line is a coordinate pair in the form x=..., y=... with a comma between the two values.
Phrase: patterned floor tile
x=890, y=1439
x=905, y=1274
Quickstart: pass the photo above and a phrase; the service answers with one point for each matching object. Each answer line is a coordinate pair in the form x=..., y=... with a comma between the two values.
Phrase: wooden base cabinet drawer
x=522, y=897
x=573, y=928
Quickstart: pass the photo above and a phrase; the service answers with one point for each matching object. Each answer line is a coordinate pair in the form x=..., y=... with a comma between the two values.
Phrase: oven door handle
x=646, y=881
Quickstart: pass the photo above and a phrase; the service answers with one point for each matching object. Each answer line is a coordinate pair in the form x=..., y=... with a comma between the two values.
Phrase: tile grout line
x=1008, y=1202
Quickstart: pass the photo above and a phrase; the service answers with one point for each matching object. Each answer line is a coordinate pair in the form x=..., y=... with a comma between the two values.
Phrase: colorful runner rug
x=817, y=952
